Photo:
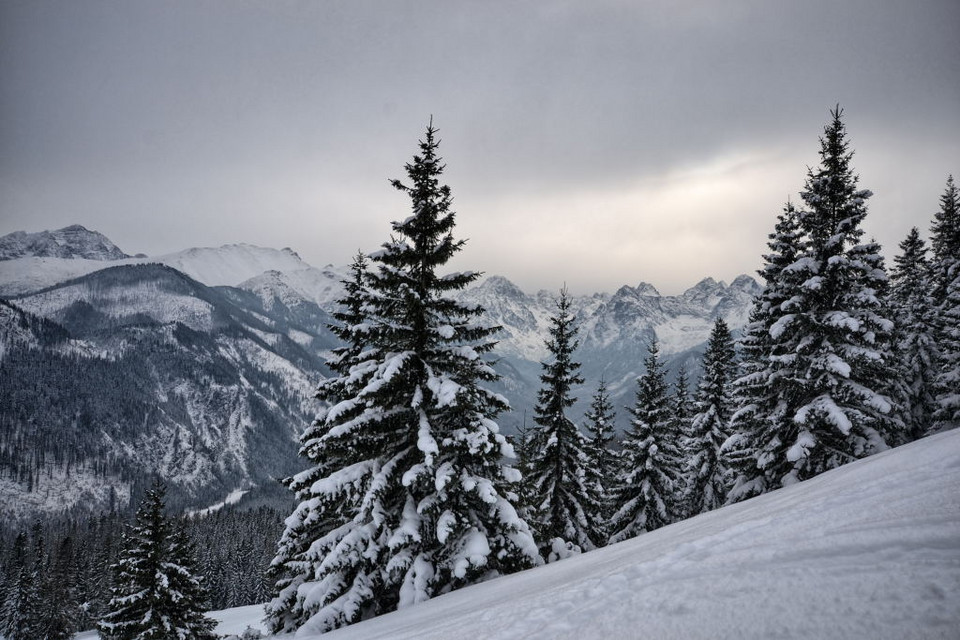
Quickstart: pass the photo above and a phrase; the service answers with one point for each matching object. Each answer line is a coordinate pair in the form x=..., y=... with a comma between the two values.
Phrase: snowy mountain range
x=199, y=365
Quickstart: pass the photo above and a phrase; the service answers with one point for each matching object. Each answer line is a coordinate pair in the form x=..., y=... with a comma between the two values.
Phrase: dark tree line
x=59, y=572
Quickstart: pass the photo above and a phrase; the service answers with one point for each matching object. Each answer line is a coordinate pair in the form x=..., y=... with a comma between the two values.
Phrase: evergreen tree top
x=560, y=375
x=945, y=230
x=430, y=226
x=836, y=207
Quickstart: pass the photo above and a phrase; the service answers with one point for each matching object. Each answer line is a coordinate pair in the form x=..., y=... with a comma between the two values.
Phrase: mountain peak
x=74, y=241
x=706, y=286
x=745, y=283
x=502, y=287
x=647, y=289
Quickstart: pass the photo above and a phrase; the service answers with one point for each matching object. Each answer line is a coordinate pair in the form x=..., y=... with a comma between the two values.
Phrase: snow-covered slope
x=614, y=329
x=870, y=550
x=139, y=368
x=227, y=265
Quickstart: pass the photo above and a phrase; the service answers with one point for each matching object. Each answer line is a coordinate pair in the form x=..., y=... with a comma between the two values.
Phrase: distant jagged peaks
x=74, y=241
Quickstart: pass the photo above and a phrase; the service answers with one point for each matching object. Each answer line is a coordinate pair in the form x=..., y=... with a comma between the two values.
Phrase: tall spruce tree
x=157, y=595
x=682, y=414
x=710, y=424
x=912, y=302
x=829, y=350
x=601, y=433
x=565, y=501
x=945, y=239
x=325, y=510
x=409, y=495
x=649, y=485
x=758, y=413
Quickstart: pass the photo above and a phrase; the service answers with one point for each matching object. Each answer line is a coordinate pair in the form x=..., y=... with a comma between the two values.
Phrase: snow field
x=869, y=550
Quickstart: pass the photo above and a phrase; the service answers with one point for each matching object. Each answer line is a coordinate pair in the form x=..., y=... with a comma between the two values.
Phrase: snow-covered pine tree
x=831, y=348
x=328, y=508
x=682, y=403
x=710, y=423
x=601, y=432
x=407, y=441
x=650, y=482
x=564, y=489
x=758, y=412
x=156, y=594
x=521, y=443
x=948, y=380
x=916, y=336
x=945, y=240
x=20, y=616
x=681, y=416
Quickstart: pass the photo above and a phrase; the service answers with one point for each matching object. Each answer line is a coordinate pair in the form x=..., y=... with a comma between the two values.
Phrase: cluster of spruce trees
x=410, y=494
x=58, y=577
x=583, y=489
x=838, y=361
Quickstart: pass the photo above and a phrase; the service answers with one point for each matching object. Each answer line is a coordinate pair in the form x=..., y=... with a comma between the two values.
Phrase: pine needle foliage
x=157, y=595
x=408, y=495
x=565, y=499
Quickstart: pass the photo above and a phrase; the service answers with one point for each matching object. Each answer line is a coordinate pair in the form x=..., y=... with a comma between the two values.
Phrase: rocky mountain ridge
x=74, y=241
x=212, y=354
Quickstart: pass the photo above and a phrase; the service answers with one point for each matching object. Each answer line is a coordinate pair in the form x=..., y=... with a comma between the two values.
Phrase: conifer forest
x=408, y=483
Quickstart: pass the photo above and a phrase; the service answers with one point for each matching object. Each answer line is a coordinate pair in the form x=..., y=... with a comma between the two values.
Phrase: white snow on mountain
x=631, y=314
x=679, y=322
x=28, y=274
x=228, y=265
x=74, y=241
x=870, y=550
x=145, y=298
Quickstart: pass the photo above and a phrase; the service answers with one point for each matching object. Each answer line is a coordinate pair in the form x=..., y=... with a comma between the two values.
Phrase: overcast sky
x=596, y=143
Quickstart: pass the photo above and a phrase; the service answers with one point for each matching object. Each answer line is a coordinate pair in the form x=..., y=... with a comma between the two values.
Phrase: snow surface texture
x=869, y=550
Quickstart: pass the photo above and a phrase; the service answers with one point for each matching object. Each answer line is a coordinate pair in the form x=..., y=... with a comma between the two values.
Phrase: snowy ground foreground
x=871, y=550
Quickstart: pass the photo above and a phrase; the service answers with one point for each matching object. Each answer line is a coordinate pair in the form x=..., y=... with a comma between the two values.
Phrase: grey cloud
x=280, y=122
